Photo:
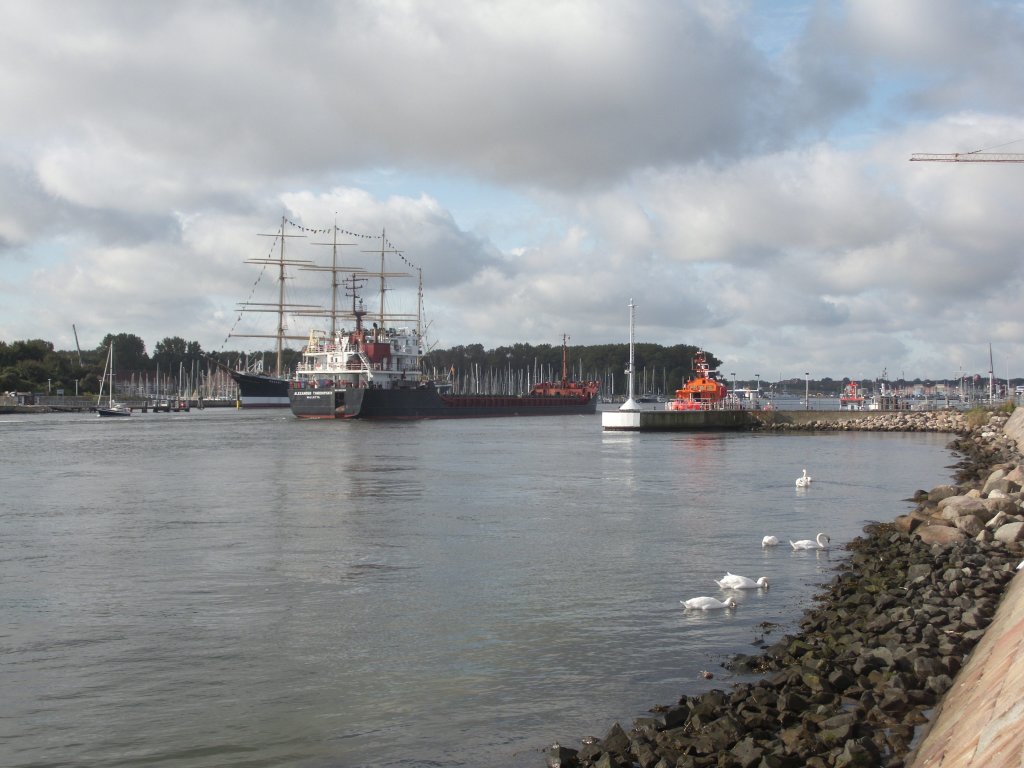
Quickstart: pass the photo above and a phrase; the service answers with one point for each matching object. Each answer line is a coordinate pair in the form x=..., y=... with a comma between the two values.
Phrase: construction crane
x=978, y=156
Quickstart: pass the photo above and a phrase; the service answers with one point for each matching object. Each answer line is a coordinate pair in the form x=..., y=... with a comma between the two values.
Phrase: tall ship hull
x=259, y=391
x=425, y=401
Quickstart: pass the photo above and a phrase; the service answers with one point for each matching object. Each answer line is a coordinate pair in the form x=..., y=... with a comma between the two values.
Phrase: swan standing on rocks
x=804, y=480
x=707, y=603
x=821, y=542
x=732, y=581
x=770, y=541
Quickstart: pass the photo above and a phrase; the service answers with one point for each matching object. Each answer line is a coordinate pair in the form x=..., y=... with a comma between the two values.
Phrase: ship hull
x=408, y=403
x=260, y=391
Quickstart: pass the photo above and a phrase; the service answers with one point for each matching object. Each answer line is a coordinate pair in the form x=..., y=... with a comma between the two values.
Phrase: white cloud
x=740, y=171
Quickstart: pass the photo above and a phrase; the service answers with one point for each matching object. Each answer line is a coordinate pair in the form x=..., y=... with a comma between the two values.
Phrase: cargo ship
x=374, y=373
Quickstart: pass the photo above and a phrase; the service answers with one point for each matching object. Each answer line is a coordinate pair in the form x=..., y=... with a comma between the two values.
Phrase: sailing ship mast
x=383, y=275
x=334, y=269
x=280, y=307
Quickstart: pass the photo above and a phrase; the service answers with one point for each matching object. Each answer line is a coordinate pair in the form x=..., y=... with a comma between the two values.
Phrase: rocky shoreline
x=882, y=645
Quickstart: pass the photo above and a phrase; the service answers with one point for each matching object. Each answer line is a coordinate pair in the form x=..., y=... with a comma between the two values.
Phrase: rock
x=918, y=570
x=940, y=492
x=955, y=506
x=1000, y=518
x=747, y=753
x=992, y=482
x=906, y=523
x=969, y=524
x=996, y=504
x=1010, y=533
x=562, y=757
x=941, y=535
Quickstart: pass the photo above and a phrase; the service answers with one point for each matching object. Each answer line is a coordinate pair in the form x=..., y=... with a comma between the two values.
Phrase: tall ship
x=704, y=392
x=259, y=388
x=374, y=373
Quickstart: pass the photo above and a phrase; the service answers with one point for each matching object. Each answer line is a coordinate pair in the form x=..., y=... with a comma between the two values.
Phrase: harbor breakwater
x=886, y=640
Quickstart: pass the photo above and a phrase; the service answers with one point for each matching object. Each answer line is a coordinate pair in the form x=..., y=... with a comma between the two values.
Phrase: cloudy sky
x=739, y=169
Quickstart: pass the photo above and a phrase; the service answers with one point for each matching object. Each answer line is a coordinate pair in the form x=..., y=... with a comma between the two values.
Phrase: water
x=227, y=588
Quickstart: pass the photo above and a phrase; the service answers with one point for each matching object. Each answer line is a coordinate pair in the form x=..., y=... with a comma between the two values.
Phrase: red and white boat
x=852, y=397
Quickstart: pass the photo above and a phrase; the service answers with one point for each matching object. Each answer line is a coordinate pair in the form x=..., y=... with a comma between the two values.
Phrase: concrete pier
x=738, y=419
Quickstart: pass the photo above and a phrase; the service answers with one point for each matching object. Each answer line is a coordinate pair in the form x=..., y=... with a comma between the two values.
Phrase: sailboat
x=111, y=407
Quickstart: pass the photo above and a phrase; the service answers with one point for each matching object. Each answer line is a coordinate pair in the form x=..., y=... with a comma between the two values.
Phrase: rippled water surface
x=226, y=588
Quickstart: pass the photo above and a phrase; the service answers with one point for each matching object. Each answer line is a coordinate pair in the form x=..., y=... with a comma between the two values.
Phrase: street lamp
x=757, y=391
x=807, y=391
x=733, y=374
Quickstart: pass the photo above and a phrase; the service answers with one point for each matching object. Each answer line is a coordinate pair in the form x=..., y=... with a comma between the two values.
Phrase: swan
x=732, y=581
x=770, y=541
x=708, y=603
x=821, y=542
x=804, y=480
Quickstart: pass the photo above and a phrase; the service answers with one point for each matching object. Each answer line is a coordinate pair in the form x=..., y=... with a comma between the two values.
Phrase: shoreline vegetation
x=855, y=685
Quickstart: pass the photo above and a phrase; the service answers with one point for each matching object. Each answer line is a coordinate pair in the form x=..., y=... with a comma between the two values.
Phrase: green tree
x=129, y=352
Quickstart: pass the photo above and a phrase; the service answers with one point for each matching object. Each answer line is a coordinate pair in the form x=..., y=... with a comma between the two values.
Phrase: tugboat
x=704, y=392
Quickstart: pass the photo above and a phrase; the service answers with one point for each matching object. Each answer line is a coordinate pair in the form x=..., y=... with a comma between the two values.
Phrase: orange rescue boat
x=701, y=393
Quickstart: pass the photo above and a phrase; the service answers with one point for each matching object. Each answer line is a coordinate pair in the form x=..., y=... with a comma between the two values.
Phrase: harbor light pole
x=757, y=390
x=807, y=391
x=630, y=404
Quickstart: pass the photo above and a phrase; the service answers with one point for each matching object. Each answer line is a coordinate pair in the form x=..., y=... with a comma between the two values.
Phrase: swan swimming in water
x=708, y=603
x=821, y=542
x=732, y=581
x=770, y=541
x=804, y=480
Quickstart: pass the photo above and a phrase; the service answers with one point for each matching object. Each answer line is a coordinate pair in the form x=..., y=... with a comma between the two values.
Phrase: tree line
x=34, y=365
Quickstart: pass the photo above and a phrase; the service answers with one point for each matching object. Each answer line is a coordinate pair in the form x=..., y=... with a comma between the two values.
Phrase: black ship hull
x=255, y=391
x=425, y=402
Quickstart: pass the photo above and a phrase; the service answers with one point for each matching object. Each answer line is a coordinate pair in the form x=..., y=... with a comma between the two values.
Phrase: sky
x=738, y=169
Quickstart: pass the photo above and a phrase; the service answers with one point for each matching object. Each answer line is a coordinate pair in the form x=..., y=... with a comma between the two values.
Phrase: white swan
x=770, y=541
x=732, y=581
x=707, y=603
x=821, y=542
x=804, y=480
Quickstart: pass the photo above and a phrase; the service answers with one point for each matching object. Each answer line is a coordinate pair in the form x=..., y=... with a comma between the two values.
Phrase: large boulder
x=940, y=492
x=969, y=524
x=943, y=535
x=1010, y=533
x=953, y=507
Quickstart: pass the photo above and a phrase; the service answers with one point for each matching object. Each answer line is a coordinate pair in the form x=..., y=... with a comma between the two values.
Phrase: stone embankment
x=951, y=421
x=885, y=642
